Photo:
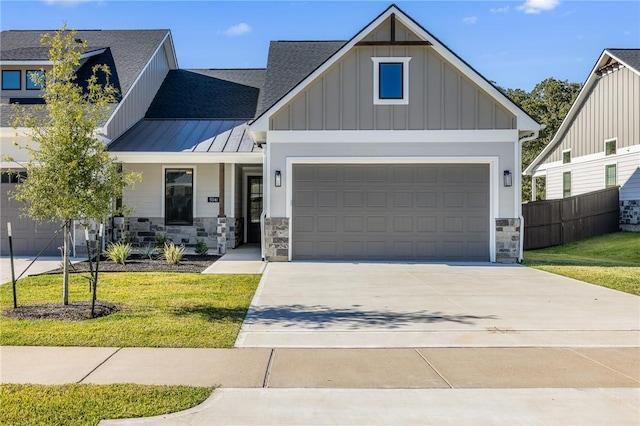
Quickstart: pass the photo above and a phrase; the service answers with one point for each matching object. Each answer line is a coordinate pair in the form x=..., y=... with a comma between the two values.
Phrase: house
x=598, y=143
x=139, y=61
x=384, y=146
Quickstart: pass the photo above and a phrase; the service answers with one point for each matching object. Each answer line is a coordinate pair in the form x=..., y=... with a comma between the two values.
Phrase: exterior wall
x=440, y=97
x=611, y=110
x=276, y=239
x=23, y=92
x=136, y=102
x=588, y=175
x=507, y=240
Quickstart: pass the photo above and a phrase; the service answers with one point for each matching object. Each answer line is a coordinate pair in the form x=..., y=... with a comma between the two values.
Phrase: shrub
x=118, y=252
x=148, y=251
x=201, y=248
x=161, y=241
x=172, y=253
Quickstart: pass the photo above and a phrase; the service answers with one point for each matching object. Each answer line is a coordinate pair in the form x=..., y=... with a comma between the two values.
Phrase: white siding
x=145, y=199
x=589, y=176
x=135, y=103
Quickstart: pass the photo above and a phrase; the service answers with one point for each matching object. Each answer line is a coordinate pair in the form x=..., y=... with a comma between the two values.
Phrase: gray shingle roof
x=289, y=63
x=630, y=56
x=222, y=136
x=208, y=94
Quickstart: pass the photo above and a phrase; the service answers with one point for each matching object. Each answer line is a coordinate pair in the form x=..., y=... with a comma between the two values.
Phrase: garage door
x=29, y=237
x=380, y=211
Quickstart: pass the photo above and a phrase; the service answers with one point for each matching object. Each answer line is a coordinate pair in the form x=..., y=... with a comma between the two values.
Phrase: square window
x=566, y=157
x=610, y=178
x=178, y=201
x=566, y=184
x=610, y=147
x=38, y=75
x=11, y=79
x=390, y=80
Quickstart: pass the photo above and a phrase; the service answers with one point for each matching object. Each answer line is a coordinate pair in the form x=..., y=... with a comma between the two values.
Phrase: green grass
x=82, y=404
x=161, y=310
x=611, y=260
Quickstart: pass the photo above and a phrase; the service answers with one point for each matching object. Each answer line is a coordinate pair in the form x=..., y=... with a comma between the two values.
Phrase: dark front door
x=254, y=208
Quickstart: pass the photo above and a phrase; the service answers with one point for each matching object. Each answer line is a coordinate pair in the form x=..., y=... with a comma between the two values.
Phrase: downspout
x=522, y=140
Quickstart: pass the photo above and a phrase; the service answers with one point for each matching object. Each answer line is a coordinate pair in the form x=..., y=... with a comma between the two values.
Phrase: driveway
x=41, y=265
x=324, y=304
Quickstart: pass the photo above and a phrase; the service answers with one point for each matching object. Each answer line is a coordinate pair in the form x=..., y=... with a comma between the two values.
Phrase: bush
x=148, y=251
x=172, y=253
x=161, y=241
x=118, y=252
x=201, y=248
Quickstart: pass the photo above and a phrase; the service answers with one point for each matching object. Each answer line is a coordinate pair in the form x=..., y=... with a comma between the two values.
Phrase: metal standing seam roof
x=213, y=136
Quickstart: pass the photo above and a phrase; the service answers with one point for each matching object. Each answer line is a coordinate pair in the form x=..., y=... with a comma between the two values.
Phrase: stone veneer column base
x=221, y=232
x=507, y=240
x=276, y=239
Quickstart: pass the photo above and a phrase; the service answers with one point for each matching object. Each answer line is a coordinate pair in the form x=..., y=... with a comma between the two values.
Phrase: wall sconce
x=278, y=179
x=508, y=179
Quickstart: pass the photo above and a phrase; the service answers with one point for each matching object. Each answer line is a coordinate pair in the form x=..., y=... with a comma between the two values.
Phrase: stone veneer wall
x=276, y=239
x=630, y=215
x=507, y=240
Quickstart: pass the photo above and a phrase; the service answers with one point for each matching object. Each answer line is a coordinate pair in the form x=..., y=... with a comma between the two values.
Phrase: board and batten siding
x=590, y=176
x=136, y=102
x=440, y=97
x=611, y=110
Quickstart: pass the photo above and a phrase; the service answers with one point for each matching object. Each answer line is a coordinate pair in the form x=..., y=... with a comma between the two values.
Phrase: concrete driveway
x=323, y=304
x=41, y=265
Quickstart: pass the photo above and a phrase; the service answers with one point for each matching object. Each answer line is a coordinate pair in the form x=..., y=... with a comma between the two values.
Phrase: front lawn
x=82, y=404
x=611, y=260
x=159, y=309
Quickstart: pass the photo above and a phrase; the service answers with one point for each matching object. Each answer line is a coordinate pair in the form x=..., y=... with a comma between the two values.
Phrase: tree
x=70, y=175
x=548, y=103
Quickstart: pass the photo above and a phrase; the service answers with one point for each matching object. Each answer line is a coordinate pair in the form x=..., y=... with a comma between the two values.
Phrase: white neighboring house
x=598, y=143
x=139, y=61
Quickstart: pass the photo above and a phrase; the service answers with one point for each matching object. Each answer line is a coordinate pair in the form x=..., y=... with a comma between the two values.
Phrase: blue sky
x=514, y=43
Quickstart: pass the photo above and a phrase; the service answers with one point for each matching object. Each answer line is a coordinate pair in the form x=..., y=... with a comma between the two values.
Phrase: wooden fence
x=554, y=222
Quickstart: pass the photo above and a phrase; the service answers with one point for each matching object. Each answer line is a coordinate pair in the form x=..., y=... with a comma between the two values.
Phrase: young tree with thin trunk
x=70, y=174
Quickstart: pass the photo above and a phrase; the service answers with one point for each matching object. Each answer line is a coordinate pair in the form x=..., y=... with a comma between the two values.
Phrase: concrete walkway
x=242, y=260
x=41, y=265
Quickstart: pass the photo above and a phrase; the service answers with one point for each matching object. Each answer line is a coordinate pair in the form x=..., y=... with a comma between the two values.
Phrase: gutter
x=522, y=140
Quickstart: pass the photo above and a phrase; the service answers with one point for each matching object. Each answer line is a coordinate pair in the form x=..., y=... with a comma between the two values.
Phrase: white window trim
x=615, y=163
x=376, y=80
x=604, y=146
x=570, y=183
x=163, y=192
x=570, y=156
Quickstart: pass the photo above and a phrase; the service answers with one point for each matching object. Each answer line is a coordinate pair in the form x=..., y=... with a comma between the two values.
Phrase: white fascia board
x=568, y=119
x=171, y=53
x=47, y=62
x=391, y=136
x=188, y=157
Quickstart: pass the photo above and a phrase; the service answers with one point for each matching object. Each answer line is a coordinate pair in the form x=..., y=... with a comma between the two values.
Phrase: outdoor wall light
x=278, y=179
x=508, y=179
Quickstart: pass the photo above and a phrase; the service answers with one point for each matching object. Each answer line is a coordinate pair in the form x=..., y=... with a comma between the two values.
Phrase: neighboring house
x=385, y=146
x=598, y=143
x=139, y=61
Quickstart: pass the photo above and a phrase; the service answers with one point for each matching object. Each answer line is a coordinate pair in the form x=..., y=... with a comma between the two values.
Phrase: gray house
x=385, y=146
x=598, y=143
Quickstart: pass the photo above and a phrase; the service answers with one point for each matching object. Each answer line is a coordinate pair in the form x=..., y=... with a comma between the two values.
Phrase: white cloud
x=66, y=3
x=499, y=9
x=470, y=20
x=236, y=30
x=537, y=6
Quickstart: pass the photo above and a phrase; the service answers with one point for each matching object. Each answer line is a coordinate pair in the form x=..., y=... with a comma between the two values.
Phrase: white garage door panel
x=414, y=211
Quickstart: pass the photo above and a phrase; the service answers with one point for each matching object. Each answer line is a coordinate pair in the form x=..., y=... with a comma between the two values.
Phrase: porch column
x=533, y=188
x=222, y=218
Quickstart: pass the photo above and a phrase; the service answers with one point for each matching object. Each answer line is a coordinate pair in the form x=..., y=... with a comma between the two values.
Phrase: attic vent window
x=390, y=81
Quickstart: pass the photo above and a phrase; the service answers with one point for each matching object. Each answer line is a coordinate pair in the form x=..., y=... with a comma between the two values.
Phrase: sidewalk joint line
x=433, y=368
x=267, y=373
x=601, y=364
x=99, y=365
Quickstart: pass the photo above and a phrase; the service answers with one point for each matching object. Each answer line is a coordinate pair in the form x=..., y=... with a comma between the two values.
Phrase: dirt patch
x=137, y=263
x=74, y=311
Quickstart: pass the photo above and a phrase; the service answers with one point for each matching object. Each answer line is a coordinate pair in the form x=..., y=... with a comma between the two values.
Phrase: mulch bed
x=74, y=311
x=137, y=263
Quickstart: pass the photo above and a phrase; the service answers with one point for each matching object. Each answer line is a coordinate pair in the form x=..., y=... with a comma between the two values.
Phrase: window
x=10, y=79
x=566, y=184
x=178, y=201
x=610, y=178
x=566, y=156
x=38, y=75
x=13, y=177
x=610, y=147
x=391, y=81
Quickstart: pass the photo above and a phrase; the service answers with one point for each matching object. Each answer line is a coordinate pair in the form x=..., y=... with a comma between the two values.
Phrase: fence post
x=13, y=274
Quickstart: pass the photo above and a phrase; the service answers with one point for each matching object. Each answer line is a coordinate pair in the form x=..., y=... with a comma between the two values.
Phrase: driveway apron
x=340, y=304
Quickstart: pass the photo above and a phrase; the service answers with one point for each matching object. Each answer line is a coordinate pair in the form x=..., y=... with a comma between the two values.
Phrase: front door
x=254, y=208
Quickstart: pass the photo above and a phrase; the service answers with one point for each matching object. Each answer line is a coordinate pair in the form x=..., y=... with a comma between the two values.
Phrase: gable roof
x=525, y=121
x=208, y=94
x=627, y=57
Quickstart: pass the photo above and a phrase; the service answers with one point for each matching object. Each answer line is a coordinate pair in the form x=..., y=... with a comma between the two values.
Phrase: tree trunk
x=65, y=262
